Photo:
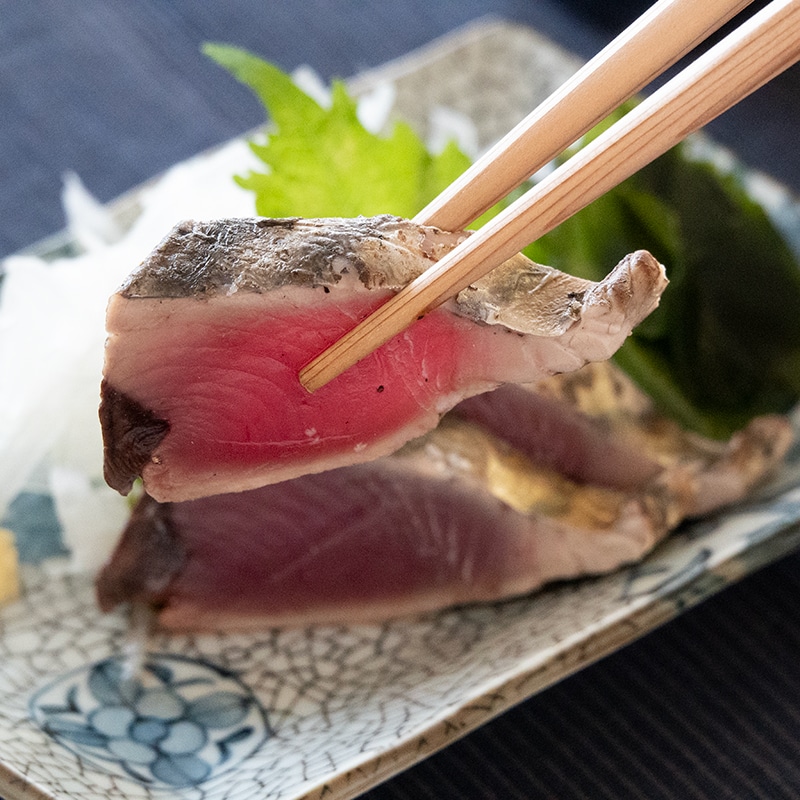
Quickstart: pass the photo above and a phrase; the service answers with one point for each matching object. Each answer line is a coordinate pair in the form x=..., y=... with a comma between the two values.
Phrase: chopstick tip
x=311, y=379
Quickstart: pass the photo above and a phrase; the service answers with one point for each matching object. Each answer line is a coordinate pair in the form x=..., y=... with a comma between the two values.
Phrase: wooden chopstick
x=655, y=41
x=764, y=46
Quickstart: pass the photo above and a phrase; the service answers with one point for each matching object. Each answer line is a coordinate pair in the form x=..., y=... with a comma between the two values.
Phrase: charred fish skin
x=259, y=255
x=209, y=335
x=204, y=259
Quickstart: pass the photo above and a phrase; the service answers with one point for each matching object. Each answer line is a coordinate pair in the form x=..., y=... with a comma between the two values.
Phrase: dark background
x=706, y=707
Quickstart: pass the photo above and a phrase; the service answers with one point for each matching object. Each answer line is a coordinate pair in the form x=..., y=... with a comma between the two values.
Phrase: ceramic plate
x=331, y=711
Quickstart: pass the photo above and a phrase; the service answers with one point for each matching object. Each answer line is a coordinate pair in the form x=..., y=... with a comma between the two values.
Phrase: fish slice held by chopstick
x=201, y=395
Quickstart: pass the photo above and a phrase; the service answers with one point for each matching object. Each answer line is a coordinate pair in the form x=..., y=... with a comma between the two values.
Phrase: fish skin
x=259, y=255
x=208, y=336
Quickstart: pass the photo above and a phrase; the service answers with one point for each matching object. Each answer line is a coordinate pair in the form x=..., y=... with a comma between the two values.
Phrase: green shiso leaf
x=723, y=346
x=323, y=162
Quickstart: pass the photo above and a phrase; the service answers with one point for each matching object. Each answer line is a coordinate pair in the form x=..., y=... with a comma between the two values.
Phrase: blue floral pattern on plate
x=179, y=722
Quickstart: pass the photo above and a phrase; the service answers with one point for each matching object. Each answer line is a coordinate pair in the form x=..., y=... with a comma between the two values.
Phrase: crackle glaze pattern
x=328, y=712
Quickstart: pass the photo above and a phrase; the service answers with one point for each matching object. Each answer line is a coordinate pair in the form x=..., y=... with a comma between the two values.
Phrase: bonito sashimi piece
x=201, y=395
x=457, y=516
x=716, y=472
x=596, y=427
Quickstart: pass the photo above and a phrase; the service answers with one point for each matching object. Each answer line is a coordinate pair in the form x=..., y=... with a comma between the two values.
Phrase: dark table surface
x=706, y=707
